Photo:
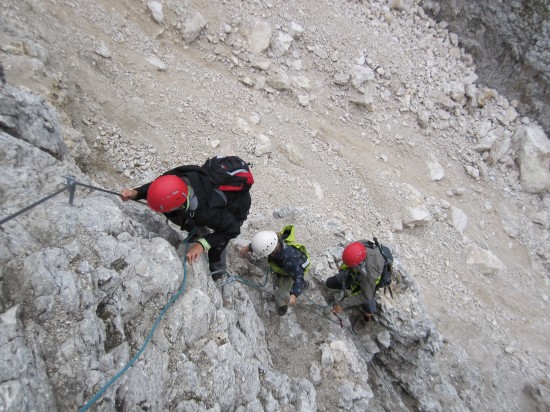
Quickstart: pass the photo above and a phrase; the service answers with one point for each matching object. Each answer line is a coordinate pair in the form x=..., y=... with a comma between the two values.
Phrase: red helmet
x=354, y=254
x=167, y=193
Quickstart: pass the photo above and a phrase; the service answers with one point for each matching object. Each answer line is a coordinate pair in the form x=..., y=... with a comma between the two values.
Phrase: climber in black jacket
x=188, y=198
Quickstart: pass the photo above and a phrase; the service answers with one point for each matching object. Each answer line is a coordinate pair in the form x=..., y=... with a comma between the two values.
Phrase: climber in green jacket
x=288, y=260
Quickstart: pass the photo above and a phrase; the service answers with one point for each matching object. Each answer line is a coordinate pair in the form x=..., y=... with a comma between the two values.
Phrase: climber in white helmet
x=288, y=260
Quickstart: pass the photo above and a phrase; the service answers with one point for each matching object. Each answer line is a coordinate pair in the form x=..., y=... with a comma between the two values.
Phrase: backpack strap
x=186, y=169
x=287, y=235
x=380, y=249
x=222, y=195
x=385, y=266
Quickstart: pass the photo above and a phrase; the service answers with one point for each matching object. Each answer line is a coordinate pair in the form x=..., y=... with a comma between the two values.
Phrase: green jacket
x=288, y=237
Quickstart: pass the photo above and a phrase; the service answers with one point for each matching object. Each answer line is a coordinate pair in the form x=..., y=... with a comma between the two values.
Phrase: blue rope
x=254, y=285
x=147, y=339
x=259, y=286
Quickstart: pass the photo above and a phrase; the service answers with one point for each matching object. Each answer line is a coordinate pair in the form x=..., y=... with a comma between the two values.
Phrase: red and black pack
x=229, y=173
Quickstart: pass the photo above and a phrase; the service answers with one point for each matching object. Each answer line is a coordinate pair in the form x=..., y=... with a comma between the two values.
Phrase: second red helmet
x=354, y=254
x=167, y=193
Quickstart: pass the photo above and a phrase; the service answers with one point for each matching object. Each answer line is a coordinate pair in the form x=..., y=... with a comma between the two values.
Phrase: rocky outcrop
x=150, y=92
x=512, y=36
x=81, y=288
x=83, y=284
x=533, y=156
x=29, y=117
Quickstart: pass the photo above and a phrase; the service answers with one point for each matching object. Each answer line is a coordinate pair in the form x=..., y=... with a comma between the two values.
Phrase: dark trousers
x=343, y=280
x=217, y=256
x=337, y=281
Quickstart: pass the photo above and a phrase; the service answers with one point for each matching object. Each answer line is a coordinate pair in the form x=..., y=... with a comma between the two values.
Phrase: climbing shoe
x=217, y=276
x=281, y=310
x=366, y=316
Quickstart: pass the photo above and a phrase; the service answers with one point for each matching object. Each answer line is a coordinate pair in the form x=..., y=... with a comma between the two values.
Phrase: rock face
x=83, y=284
x=75, y=308
x=31, y=119
x=533, y=149
x=361, y=119
x=512, y=36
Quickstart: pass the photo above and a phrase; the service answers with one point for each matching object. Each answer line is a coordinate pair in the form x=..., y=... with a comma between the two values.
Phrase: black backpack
x=386, y=276
x=229, y=173
x=225, y=174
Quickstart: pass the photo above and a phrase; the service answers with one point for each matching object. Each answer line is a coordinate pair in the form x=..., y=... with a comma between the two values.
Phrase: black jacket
x=290, y=259
x=223, y=212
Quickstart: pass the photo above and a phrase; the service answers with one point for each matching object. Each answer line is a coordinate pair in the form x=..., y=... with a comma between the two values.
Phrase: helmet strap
x=187, y=204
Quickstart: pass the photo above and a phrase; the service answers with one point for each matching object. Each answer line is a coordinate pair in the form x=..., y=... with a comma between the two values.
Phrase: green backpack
x=287, y=235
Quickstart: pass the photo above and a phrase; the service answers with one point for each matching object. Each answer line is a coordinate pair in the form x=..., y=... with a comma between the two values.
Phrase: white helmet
x=263, y=243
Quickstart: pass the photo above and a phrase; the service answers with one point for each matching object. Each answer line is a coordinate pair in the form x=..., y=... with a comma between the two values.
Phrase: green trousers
x=282, y=285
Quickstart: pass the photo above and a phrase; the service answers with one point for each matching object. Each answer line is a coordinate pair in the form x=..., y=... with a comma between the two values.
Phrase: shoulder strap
x=185, y=169
x=380, y=249
x=222, y=194
x=287, y=235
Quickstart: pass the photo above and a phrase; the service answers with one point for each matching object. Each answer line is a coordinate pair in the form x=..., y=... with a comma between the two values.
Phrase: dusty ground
x=337, y=161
